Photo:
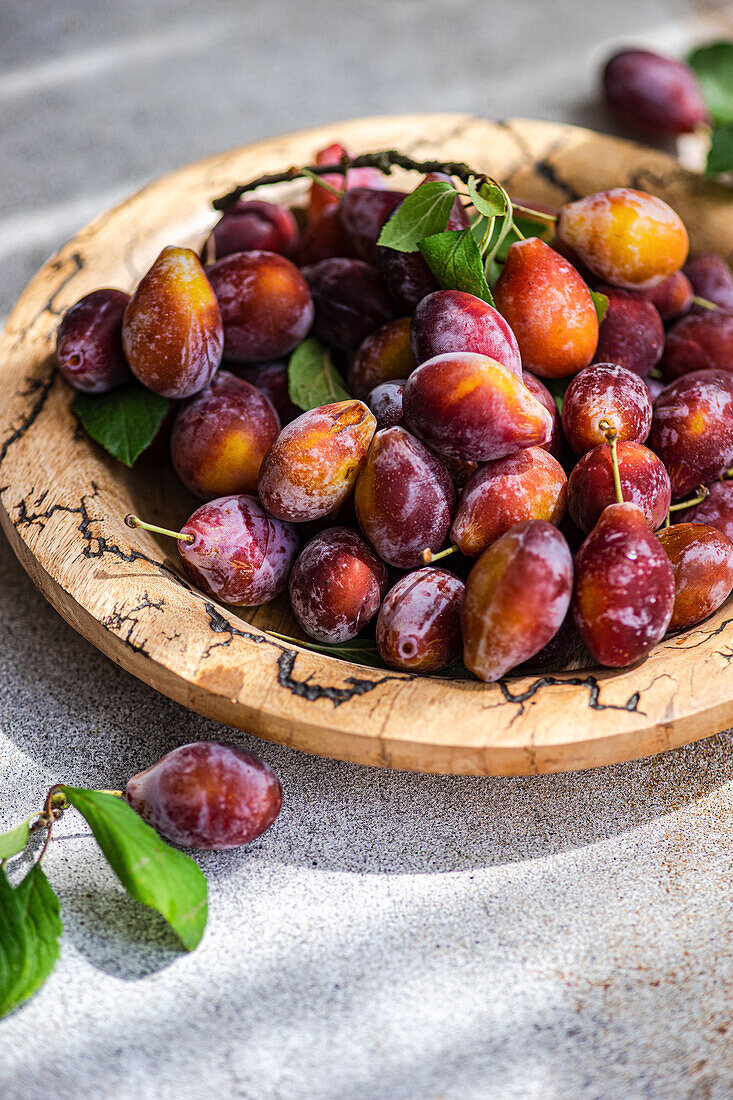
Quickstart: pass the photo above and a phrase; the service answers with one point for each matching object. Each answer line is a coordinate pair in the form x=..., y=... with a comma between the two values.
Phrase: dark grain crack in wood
x=549, y=171
x=95, y=545
x=304, y=689
x=706, y=635
x=589, y=682
x=49, y=305
x=40, y=387
x=118, y=619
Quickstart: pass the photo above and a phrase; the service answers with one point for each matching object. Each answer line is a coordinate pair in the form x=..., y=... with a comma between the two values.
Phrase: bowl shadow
x=82, y=720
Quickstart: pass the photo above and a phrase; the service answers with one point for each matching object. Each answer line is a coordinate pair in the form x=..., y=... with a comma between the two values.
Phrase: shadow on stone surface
x=85, y=721
x=114, y=933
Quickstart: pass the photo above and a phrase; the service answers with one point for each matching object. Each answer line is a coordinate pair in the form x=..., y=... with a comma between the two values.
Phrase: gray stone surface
x=394, y=935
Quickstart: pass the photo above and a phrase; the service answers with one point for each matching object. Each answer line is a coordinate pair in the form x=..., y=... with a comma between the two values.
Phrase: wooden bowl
x=63, y=503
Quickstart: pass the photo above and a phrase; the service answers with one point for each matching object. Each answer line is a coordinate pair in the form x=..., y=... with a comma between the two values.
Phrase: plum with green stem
x=623, y=595
x=233, y=550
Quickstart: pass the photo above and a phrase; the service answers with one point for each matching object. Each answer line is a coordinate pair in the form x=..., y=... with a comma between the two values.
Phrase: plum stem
x=135, y=521
x=538, y=215
x=702, y=493
x=53, y=808
x=612, y=438
x=704, y=303
x=323, y=183
x=428, y=556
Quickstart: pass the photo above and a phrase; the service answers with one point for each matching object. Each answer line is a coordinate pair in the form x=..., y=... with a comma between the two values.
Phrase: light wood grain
x=63, y=503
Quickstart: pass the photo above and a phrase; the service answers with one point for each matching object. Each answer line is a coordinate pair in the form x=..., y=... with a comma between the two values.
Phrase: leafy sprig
x=150, y=870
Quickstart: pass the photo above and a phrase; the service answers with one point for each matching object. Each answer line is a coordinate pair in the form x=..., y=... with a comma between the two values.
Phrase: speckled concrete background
x=393, y=936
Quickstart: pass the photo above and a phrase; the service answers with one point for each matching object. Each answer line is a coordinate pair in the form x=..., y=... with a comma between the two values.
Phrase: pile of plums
x=447, y=506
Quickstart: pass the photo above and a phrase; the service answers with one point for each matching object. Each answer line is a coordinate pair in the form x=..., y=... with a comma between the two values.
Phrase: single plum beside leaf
x=209, y=794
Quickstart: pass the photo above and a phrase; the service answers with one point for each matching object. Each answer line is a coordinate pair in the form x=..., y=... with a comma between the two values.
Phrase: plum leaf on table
x=712, y=64
x=14, y=840
x=30, y=927
x=150, y=870
x=720, y=157
x=713, y=67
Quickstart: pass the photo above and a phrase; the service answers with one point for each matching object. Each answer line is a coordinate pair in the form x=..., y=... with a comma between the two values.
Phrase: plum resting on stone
x=653, y=94
x=209, y=795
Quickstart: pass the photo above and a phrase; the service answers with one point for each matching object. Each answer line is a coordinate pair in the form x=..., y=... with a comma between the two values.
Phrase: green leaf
x=713, y=67
x=425, y=211
x=455, y=261
x=30, y=927
x=720, y=157
x=600, y=301
x=150, y=870
x=124, y=421
x=15, y=839
x=312, y=378
x=488, y=198
x=42, y=915
x=479, y=227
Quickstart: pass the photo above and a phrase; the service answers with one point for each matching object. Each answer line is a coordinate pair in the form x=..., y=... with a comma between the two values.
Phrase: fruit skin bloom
x=468, y=406
x=208, y=794
x=313, y=464
x=237, y=552
x=517, y=596
x=626, y=237
x=172, y=333
x=702, y=562
x=624, y=588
